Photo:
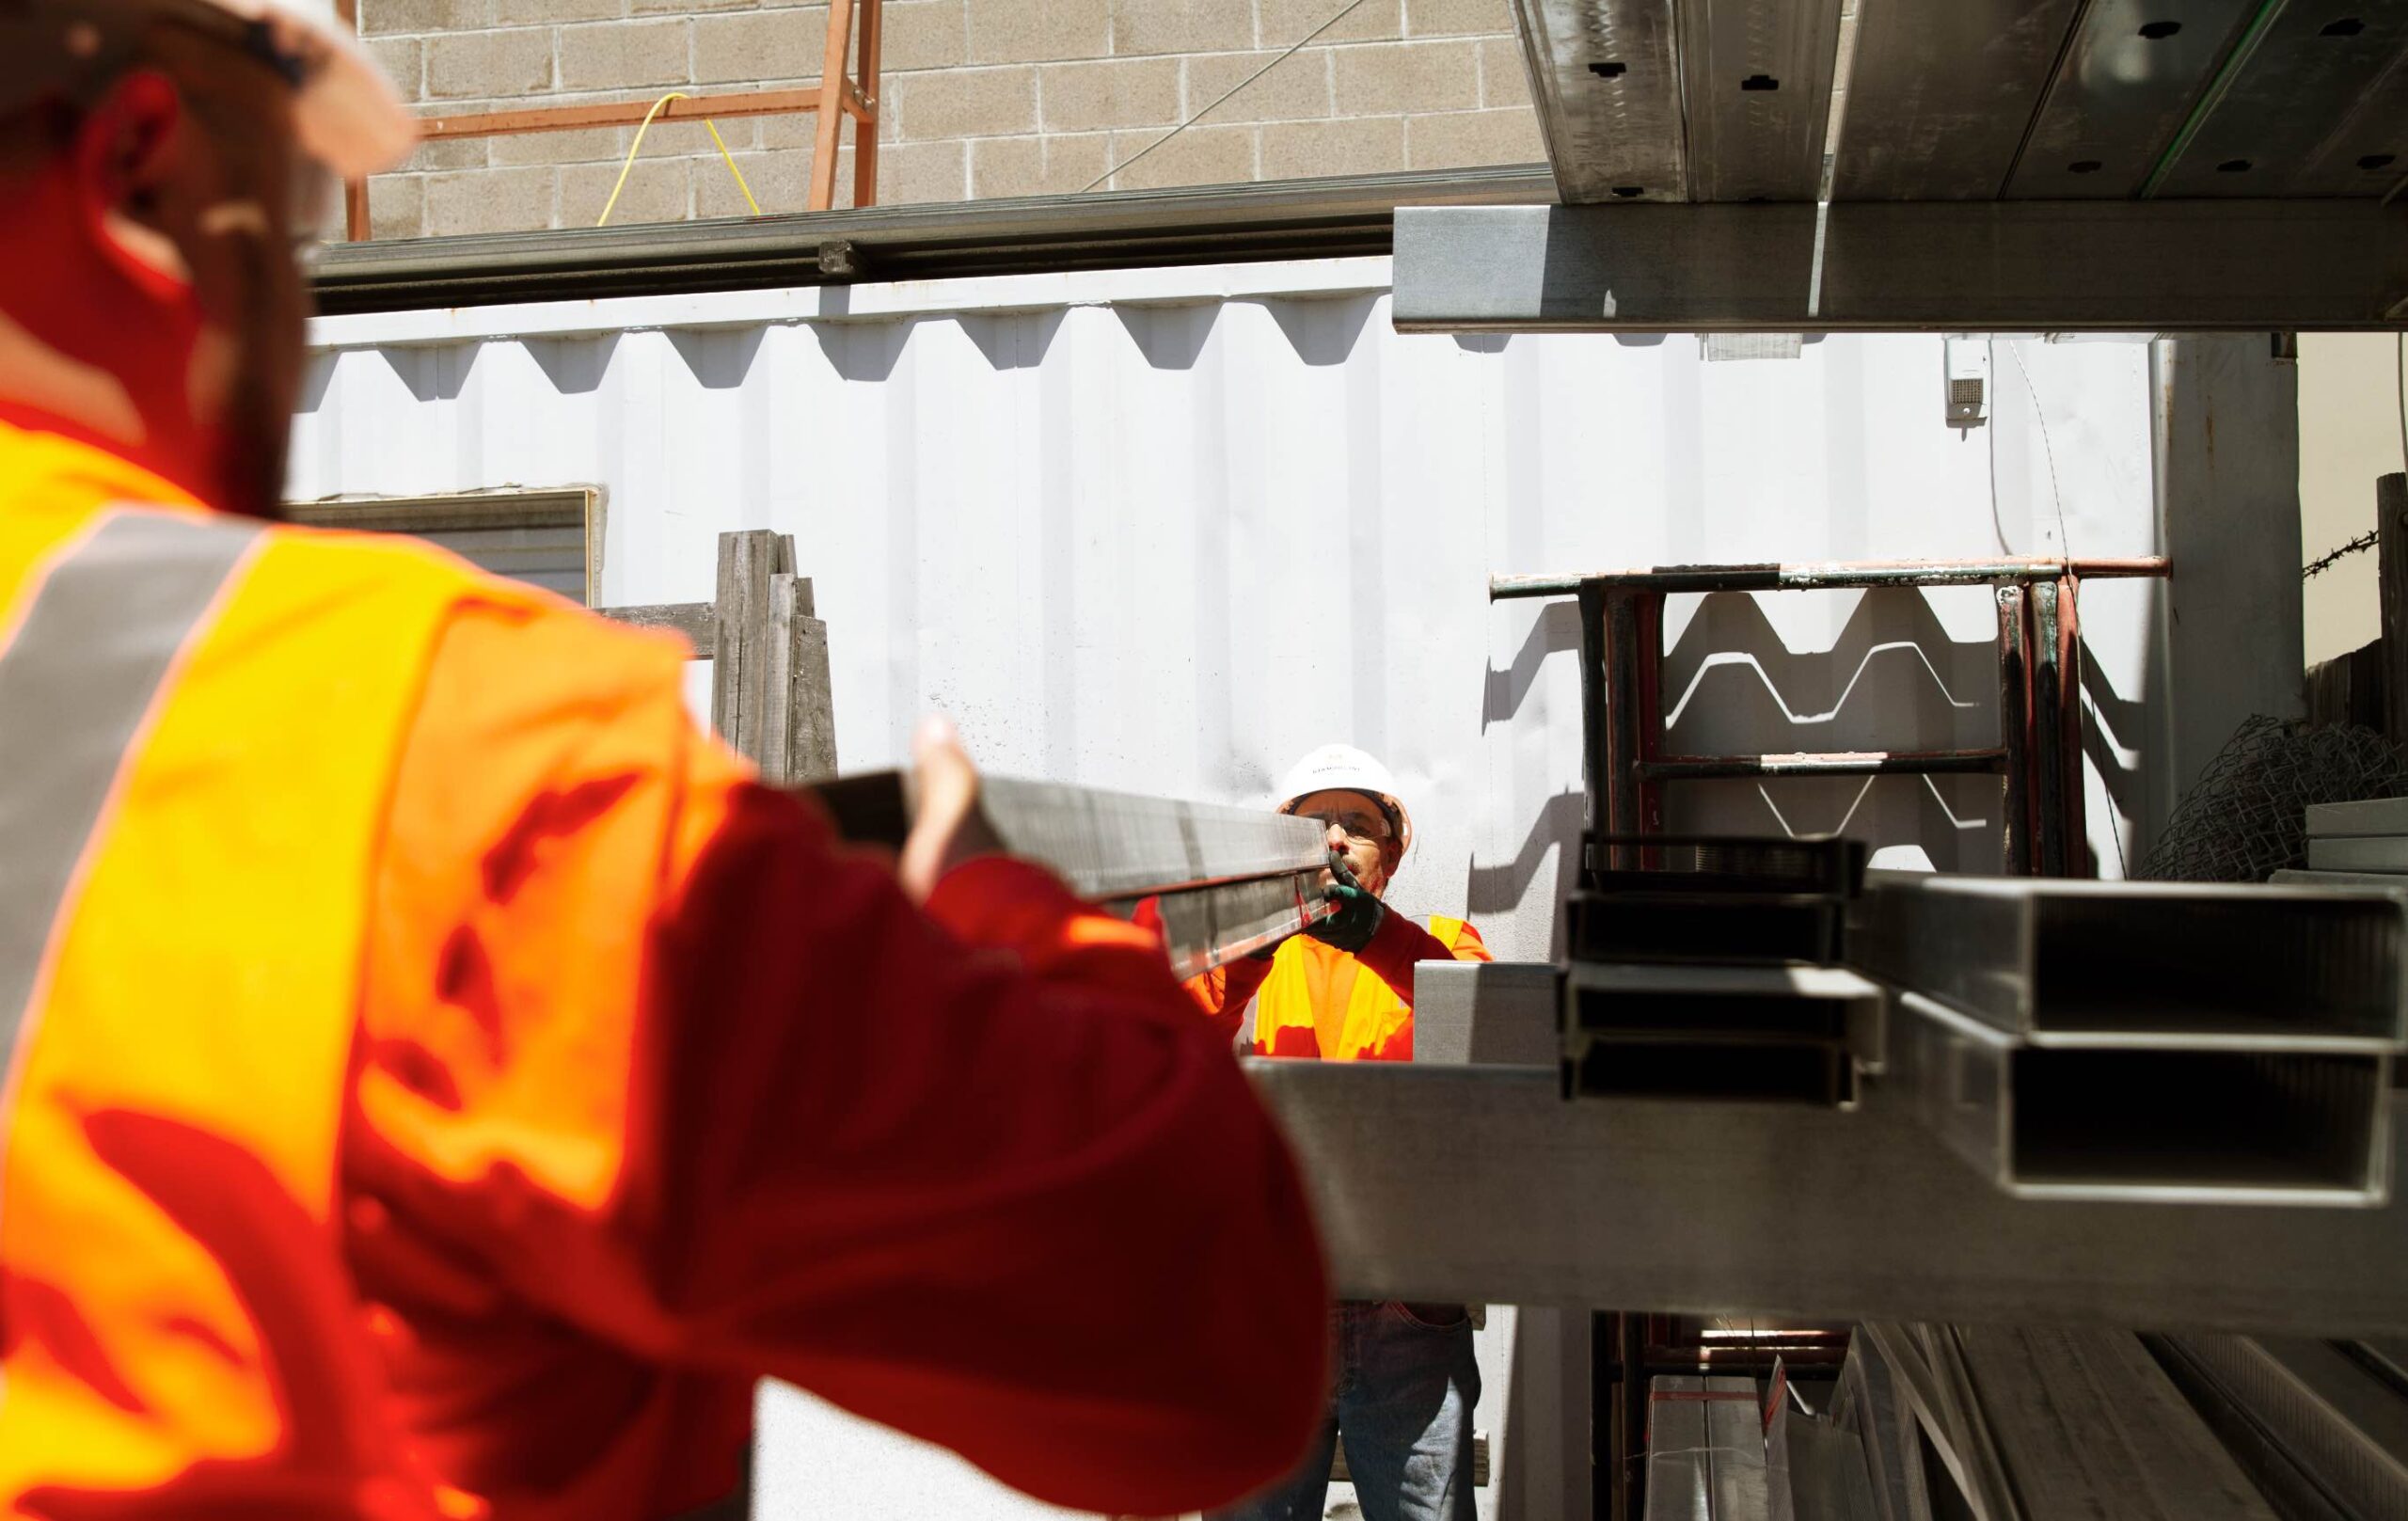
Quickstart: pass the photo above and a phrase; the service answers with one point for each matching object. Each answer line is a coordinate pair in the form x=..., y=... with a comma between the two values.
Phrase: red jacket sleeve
x=962, y=1193
x=1223, y=992
x=651, y=1063
x=1399, y=943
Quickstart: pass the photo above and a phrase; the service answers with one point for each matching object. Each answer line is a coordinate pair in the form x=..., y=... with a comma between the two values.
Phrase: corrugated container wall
x=1167, y=530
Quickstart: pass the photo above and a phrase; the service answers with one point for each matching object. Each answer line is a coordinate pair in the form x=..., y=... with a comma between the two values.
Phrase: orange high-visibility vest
x=1321, y=1002
x=171, y=1111
x=438, y=1080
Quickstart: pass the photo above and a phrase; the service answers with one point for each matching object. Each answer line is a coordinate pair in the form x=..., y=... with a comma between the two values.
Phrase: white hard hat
x=346, y=115
x=1345, y=768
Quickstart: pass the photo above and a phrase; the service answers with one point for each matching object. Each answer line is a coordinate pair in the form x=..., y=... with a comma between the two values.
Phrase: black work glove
x=1358, y=914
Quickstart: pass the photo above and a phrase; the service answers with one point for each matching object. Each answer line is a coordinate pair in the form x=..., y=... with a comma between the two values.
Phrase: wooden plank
x=805, y=716
x=797, y=728
x=697, y=621
x=730, y=106
x=741, y=670
x=2391, y=546
x=2348, y=689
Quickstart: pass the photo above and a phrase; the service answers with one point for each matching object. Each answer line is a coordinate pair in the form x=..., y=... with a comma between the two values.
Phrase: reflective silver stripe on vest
x=74, y=686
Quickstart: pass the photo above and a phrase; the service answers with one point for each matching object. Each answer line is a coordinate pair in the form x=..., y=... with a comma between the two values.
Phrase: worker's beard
x=256, y=432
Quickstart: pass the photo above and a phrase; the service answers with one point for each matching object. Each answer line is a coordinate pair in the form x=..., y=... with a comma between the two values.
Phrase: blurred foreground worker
x=1344, y=991
x=439, y=1081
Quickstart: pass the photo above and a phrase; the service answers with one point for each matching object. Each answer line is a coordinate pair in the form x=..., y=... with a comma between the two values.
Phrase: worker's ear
x=128, y=150
x=1391, y=855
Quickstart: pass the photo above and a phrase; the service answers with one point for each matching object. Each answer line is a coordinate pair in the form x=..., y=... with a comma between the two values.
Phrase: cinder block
x=916, y=173
x=659, y=190
x=1039, y=31
x=378, y=16
x=964, y=102
x=761, y=45
x=592, y=145
x=1155, y=27
x=1057, y=164
x=1504, y=74
x=1295, y=90
x=396, y=206
x=403, y=61
x=1407, y=78
x=1119, y=92
x=675, y=139
x=1284, y=22
x=447, y=154
x=489, y=200
x=1076, y=161
x=489, y=65
x=1198, y=157
x=781, y=181
x=924, y=34
x=1458, y=18
x=622, y=54
x=550, y=12
x=1463, y=139
x=1309, y=149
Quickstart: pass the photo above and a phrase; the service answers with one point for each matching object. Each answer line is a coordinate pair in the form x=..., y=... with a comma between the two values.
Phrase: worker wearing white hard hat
x=1344, y=991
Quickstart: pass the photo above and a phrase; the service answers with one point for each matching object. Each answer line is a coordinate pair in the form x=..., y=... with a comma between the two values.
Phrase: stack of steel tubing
x=1707, y=968
x=2144, y=1041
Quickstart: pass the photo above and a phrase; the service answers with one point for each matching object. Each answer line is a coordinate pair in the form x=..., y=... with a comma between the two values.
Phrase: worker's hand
x=1359, y=910
x=947, y=828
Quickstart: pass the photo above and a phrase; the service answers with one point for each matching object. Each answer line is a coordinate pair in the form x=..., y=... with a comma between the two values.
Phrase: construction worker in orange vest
x=438, y=1080
x=1344, y=991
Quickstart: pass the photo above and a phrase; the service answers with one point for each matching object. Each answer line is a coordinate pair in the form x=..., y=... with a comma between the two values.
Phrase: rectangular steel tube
x=2062, y=962
x=1736, y=864
x=1480, y=1184
x=1226, y=881
x=1715, y=927
x=1829, y=575
x=2146, y=1124
x=1839, y=763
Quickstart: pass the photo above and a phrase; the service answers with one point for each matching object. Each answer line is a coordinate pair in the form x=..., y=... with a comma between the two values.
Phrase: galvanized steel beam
x=1480, y=1184
x=2003, y=266
x=1225, y=880
x=2174, y=965
x=1043, y=234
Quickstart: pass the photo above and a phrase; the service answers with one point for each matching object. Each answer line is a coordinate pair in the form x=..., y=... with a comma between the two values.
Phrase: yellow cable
x=637, y=145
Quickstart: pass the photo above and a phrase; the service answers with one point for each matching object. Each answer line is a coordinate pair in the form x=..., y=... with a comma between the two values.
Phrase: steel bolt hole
x=1612, y=69
x=2233, y=166
x=2346, y=27
x=1630, y=191
x=1760, y=82
x=2085, y=165
x=2377, y=161
x=2158, y=31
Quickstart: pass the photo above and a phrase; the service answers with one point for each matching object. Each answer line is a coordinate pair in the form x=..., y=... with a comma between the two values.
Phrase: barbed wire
x=2316, y=567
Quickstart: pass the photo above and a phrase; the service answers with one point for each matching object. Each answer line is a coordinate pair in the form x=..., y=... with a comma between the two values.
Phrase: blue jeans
x=1407, y=1386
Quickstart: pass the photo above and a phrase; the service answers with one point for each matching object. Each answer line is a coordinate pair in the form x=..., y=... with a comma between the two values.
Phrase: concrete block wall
x=983, y=98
